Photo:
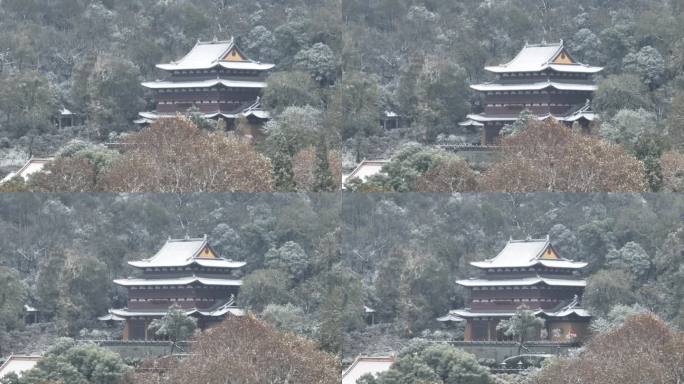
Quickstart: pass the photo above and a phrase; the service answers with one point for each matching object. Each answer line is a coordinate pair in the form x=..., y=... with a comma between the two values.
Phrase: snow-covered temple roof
x=522, y=282
x=537, y=86
x=133, y=282
x=203, y=84
x=184, y=252
x=527, y=253
x=564, y=310
x=215, y=53
x=538, y=57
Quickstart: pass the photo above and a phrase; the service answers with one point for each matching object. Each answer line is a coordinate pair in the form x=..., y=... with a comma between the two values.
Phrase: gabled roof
x=538, y=57
x=18, y=364
x=573, y=308
x=364, y=365
x=210, y=54
x=527, y=253
x=184, y=252
x=586, y=112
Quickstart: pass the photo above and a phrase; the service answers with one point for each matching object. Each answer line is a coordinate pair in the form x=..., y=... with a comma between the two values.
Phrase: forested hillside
x=61, y=252
x=314, y=261
x=90, y=57
x=418, y=57
x=409, y=249
x=340, y=65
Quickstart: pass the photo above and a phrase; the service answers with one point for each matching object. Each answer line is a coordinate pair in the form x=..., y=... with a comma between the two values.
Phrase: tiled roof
x=208, y=54
x=183, y=252
x=526, y=253
x=538, y=57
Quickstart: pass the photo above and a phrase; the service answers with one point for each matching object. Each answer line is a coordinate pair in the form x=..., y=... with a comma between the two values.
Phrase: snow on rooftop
x=220, y=311
x=182, y=252
x=537, y=57
x=31, y=167
x=366, y=169
x=526, y=253
x=203, y=84
x=178, y=281
x=209, y=54
x=363, y=365
x=493, y=87
x=525, y=281
x=18, y=364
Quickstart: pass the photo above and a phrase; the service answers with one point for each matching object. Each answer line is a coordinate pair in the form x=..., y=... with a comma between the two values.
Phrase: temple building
x=543, y=79
x=530, y=273
x=187, y=272
x=215, y=79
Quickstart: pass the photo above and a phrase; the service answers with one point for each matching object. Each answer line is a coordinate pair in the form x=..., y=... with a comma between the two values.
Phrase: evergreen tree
x=283, y=175
x=323, y=178
x=175, y=325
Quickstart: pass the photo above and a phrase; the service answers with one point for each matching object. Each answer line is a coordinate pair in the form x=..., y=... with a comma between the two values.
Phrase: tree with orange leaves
x=643, y=350
x=548, y=156
x=244, y=350
x=173, y=155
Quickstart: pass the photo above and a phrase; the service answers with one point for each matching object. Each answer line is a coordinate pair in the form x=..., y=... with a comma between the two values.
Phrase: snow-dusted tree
x=648, y=63
x=290, y=258
x=290, y=317
x=631, y=257
x=616, y=92
x=300, y=126
x=423, y=362
x=290, y=89
x=627, y=126
x=524, y=325
x=175, y=325
x=320, y=61
x=263, y=287
x=607, y=288
x=616, y=317
x=586, y=47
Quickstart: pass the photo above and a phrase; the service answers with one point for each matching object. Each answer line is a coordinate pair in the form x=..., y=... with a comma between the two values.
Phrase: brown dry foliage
x=448, y=175
x=547, y=156
x=672, y=167
x=244, y=350
x=65, y=174
x=304, y=163
x=173, y=155
x=642, y=350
